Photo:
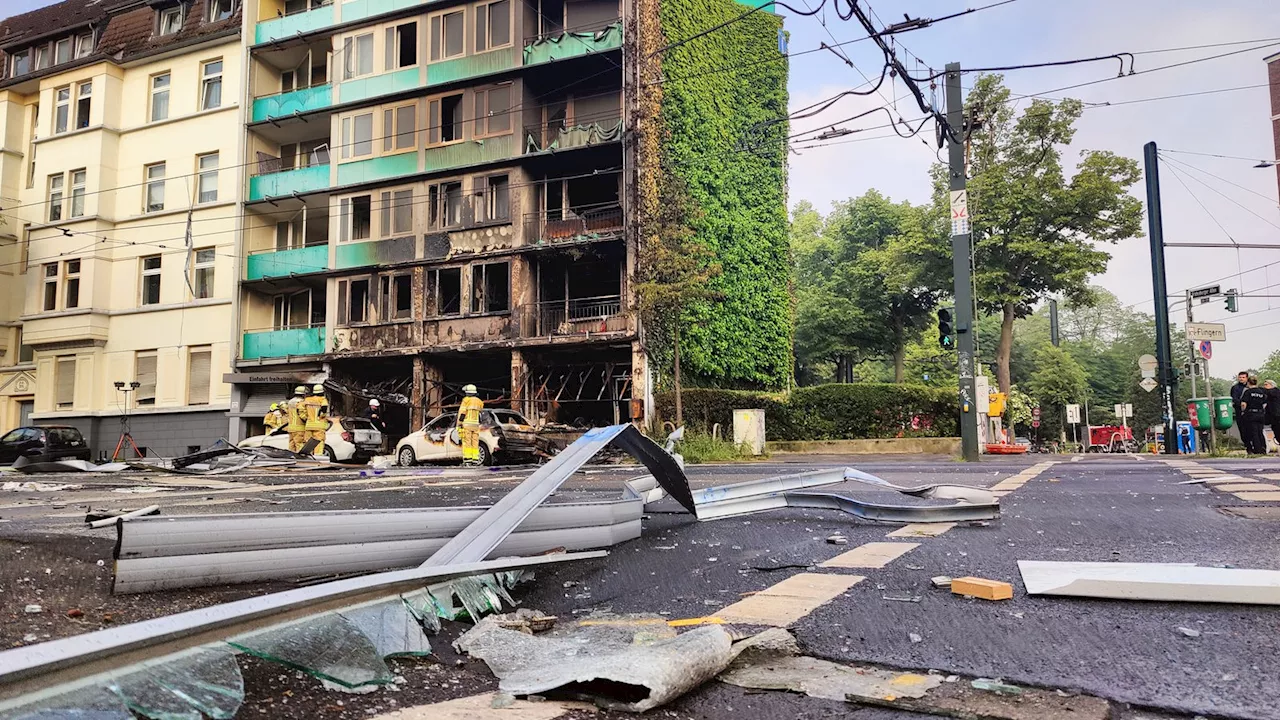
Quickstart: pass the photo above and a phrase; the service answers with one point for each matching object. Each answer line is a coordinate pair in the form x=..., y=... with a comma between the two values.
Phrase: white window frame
x=157, y=91
x=42, y=55
x=79, y=179
x=435, y=119
x=59, y=45
x=352, y=46
x=489, y=197
x=61, y=109
x=214, y=5
x=395, y=137
x=351, y=147
x=57, y=194
x=206, y=174
x=71, y=274
x=210, y=78
x=347, y=218
x=391, y=47
x=485, y=116
x=84, y=45
x=146, y=272
x=204, y=262
x=49, y=301
x=390, y=202
x=484, y=30
x=84, y=101
x=169, y=16
x=19, y=59
x=153, y=183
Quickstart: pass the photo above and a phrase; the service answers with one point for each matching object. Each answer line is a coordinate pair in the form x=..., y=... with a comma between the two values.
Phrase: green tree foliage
x=1036, y=233
x=726, y=140
x=1057, y=381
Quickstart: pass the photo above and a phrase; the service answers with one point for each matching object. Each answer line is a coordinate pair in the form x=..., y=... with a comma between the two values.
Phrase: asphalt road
x=1097, y=508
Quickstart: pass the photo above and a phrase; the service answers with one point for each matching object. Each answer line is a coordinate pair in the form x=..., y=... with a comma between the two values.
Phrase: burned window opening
x=490, y=287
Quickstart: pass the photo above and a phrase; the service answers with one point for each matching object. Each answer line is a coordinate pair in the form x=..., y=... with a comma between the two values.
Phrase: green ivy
x=727, y=140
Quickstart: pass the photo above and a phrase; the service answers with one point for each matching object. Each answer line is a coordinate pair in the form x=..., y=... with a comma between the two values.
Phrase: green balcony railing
x=380, y=168
x=282, y=263
x=572, y=44
x=288, y=182
x=375, y=85
x=290, y=25
x=471, y=66
x=471, y=152
x=297, y=101
x=282, y=343
x=360, y=9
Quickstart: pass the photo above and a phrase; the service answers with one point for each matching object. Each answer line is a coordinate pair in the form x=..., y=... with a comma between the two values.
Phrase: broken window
x=444, y=291
x=402, y=287
x=493, y=25
x=490, y=287
x=493, y=110
x=447, y=34
x=293, y=310
x=445, y=120
x=550, y=17
x=445, y=203
x=84, y=104
x=402, y=46
x=358, y=302
x=355, y=218
x=495, y=193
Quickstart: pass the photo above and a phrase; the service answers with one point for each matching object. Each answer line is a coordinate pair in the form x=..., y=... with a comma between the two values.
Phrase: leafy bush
x=698, y=448
x=825, y=412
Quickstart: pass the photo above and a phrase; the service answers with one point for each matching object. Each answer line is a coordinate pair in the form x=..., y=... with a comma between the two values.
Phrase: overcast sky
x=1233, y=123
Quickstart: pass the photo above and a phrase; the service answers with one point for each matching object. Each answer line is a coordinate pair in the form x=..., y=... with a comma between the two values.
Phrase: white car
x=346, y=439
x=503, y=433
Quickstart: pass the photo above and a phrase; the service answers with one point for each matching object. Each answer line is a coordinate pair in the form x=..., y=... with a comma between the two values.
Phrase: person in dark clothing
x=1252, y=416
x=374, y=414
x=1273, y=408
x=1242, y=383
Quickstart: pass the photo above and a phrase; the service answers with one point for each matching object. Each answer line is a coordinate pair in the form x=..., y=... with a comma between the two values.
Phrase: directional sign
x=1205, y=292
x=1073, y=414
x=1206, y=331
x=959, y=212
x=1148, y=384
x=1206, y=349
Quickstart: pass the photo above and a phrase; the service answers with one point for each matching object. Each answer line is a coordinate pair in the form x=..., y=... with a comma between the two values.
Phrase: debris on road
x=941, y=581
x=37, y=487
x=33, y=610
x=1189, y=632
x=995, y=686
x=838, y=540
x=1151, y=581
x=982, y=588
x=122, y=517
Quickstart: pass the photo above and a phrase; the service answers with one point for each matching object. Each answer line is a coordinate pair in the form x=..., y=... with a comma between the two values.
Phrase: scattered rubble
x=1151, y=581
x=982, y=588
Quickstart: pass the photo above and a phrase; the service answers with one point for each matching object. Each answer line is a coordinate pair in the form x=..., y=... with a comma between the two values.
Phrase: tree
x=1034, y=231
x=1058, y=380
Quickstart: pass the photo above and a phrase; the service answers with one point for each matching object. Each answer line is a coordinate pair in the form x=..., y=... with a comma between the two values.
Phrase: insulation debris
x=1151, y=581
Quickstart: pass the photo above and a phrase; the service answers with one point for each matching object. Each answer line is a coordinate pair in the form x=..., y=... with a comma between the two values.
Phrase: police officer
x=296, y=412
x=1252, y=416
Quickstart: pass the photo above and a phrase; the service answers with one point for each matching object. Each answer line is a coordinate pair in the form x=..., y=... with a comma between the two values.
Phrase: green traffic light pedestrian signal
x=946, y=332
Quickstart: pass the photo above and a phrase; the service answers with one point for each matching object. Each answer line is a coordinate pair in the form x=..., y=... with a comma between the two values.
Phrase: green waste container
x=1198, y=411
x=1223, y=415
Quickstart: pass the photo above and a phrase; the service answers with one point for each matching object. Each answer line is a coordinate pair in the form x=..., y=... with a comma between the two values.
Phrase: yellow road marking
x=921, y=530
x=1246, y=487
x=789, y=600
x=871, y=555
x=1269, y=496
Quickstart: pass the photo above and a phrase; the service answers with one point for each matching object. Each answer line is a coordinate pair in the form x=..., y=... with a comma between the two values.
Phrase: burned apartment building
x=436, y=194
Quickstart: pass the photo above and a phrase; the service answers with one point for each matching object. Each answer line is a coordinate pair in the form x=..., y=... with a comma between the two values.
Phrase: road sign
x=1206, y=331
x=1035, y=423
x=1148, y=362
x=1148, y=384
x=959, y=212
x=1128, y=409
x=1205, y=292
x=1206, y=349
x=1073, y=414
x=1035, y=412
x=1119, y=410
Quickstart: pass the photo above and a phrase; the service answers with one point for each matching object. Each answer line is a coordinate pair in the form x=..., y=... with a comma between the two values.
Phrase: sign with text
x=1205, y=292
x=1148, y=384
x=1073, y=414
x=1206, y=331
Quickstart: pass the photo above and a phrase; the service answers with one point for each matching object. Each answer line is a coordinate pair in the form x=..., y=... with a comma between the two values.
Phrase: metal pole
x=960, y=263
x=1053, y=322
x=1194, y=350
x=1213, y=409
x=1164, y=355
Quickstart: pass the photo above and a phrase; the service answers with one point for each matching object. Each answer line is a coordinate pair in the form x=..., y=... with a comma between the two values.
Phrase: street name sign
x=1206, y=331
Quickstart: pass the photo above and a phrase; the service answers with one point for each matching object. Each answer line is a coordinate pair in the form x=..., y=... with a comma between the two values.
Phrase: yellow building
x=120, y=125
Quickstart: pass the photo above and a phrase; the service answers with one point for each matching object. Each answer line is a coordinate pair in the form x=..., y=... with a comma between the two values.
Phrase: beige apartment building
x=119, y=186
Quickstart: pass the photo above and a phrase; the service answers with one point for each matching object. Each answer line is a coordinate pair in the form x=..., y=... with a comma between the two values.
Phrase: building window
x=353, y=301
x=21, y=63
x=171, y=20
x=221, y=9
x=159, y=97
x=62, y=51
x=145, y=374
x=448, y=32
x=399, y=128
x=84, y=45
x=445, y=119
x=489, y=287
x=357, y=56
x=294, y=311
x=205, y=260
x=42, y=57
x=211, y=85
x=50, y=287
x=151, y=280
x=402, y=46
x=84, y=105
x=71, y=284
x=495, y=192
x=77, y=192
x=61, y=109
x=199, y=373
x=66, y=383
x=493, y=25
x=397, y=212
x=493, y=111
x=356, y=218
x=55, y=197
x=444, y=292
x=395, y=297
x=208, y=181
x=444, y=203
x=155, y=187
x=357, y=136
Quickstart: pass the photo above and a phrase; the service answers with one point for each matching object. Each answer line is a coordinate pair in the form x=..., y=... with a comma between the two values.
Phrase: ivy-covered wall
x=724, y=114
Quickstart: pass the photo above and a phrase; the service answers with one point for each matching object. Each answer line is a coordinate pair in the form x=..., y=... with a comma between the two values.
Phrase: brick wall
x=1273, y=78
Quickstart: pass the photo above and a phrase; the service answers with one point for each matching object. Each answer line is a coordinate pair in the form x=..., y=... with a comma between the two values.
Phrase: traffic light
x=946, y=333
x=1232, y=301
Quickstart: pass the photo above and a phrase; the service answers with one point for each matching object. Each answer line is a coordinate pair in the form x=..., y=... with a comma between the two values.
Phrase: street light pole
x=1164, y=355
x=963, y=289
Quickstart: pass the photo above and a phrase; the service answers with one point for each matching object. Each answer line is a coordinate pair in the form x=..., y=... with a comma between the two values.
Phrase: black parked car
x=43, y=444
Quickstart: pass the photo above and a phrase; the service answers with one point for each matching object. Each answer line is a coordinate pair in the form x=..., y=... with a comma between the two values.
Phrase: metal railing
x=580, y=222
x=576, y=316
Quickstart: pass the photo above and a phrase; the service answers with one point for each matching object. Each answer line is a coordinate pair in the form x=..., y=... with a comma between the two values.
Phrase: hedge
x=825, y=412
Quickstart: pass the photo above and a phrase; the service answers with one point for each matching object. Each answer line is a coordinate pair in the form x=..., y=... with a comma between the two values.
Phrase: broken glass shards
x=329, y=647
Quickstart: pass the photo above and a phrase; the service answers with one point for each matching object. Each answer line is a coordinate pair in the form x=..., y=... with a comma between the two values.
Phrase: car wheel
x=406, y=458
x=329, y=453
x=486, y=457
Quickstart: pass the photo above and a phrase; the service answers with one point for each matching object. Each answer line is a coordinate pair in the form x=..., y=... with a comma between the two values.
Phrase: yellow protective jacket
x=317, y=409
x=297, y=414
x=469, y=410
x=273, y=420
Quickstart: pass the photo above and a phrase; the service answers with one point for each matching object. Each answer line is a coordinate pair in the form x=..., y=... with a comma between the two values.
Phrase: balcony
x=572, y=43
x=287, y=104
x=360, y=9
x=471, y=152
x=283, y=263
x=290, y=26
x=575, y=225
x=575, y=317
x=291, y=342
x=555, y=136
x=288, y=182
x=379, y=168
x=376, y=252
x=470, y=66
x=371, y=86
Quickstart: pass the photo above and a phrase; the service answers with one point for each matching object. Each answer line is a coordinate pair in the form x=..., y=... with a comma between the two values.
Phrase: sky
x=1238, y=205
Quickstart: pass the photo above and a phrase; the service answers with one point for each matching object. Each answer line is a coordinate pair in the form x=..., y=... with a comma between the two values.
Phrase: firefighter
x=469, y=425
x=274, y=418
x=297, y=415
x=317, y=407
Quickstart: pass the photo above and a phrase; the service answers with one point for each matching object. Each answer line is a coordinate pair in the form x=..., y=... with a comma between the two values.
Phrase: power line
x=1178, y=176
x=1189, y=166
x=1230, y=199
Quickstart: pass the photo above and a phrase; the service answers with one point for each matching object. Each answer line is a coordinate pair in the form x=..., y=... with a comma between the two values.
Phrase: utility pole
x=1164, y=352
x=1053, y=323
x=963, y=291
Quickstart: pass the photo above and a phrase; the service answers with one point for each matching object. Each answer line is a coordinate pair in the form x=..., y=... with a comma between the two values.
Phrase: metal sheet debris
x=756, y=495
x=1151, y=581
x=125, y=517
x=930, y=492
x=958, y=512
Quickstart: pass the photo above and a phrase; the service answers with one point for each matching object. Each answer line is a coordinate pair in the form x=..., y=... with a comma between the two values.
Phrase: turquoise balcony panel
x=290, y=25
x=359, y=9
x=282, y=343
x=470, y=66
x=376, y=252
x=471, y=152
x=573, y=44
x=375, y=85
x=298, y=101
x=288, y=182
x=286, y=262
x=381, y=168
